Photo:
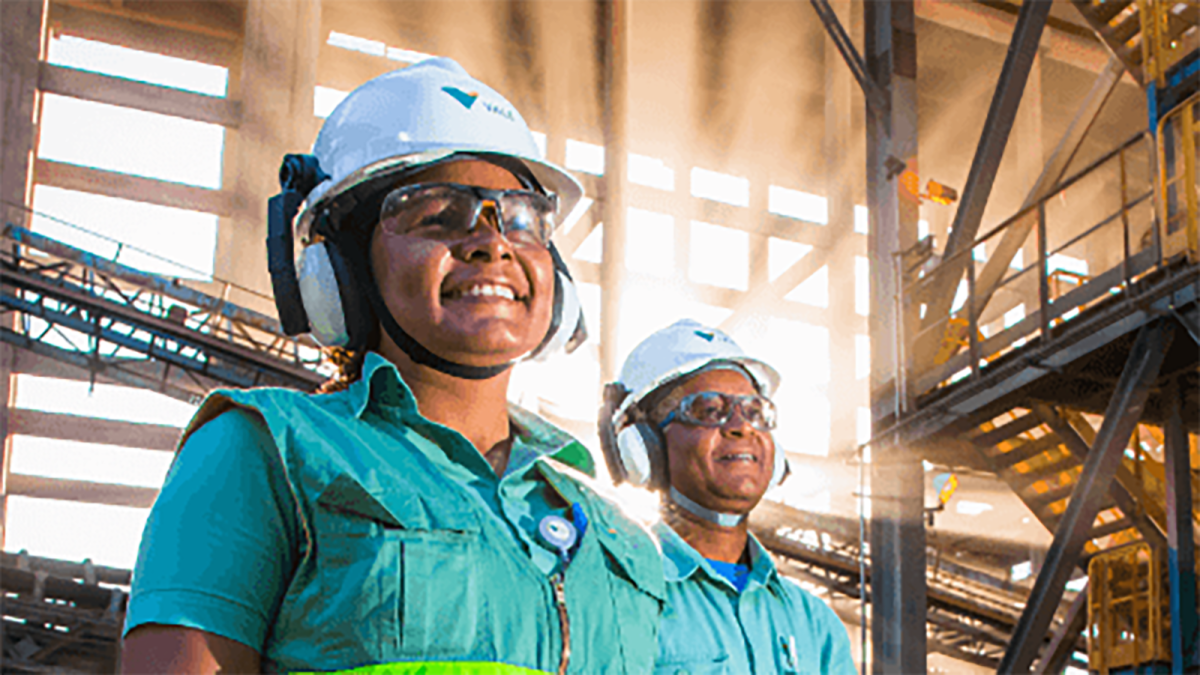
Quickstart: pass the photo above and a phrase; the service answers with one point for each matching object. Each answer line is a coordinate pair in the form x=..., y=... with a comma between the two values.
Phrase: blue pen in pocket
x=791, y=660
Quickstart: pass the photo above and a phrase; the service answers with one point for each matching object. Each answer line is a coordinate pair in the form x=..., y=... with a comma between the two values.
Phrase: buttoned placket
x=502, y=488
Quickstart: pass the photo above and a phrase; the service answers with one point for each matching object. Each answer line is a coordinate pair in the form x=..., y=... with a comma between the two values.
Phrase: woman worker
x=412, y=521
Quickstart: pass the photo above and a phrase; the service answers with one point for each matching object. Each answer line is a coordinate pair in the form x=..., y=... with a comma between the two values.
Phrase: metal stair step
x=1103, y=13
x=1025, y=451
x=989, y=439
x=1046, y=472
x=1124, y=31
x=1111, y=528
x=1039, y=501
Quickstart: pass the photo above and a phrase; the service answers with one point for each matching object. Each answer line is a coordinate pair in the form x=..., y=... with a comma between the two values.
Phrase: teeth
x=740, y=456
x=491, y=290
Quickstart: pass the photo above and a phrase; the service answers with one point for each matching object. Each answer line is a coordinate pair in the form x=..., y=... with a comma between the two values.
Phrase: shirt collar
x=382, y=385
x=681, y=561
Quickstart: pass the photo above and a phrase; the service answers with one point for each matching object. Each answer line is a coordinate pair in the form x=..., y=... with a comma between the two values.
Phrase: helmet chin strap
x=715, y=517
x=418, y=353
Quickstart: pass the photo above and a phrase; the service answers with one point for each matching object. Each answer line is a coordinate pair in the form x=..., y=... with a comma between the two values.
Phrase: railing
x=1159, y=50
x=1069, y=268
x=140, y=328
x=1178, y=181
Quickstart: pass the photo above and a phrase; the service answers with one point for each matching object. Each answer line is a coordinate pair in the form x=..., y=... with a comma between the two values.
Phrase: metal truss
x=60, y=617
x=140, y=329
x=970, y=613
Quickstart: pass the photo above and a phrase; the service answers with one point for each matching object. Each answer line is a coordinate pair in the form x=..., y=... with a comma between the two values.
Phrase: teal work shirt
x=773, y=626
x=346, y=531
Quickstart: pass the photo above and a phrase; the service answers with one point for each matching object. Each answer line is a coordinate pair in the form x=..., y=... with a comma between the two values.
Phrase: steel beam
x=1015, y=236
x=1181, y=550
x=614, y=25
x=1120, y=418
x=1062, y=644
x=876, y=98
x=1003, y=111
x=1119, y=489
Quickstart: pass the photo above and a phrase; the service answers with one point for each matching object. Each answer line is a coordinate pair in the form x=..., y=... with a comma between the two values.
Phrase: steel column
x=1062, y=645
x=1118, y=489
x=898, y=586
x=22, y=31
x=1001, y=114
x=614, y=23
x=1120, y=418
x=1181, y=551
x=842, y=177
x=274, y=80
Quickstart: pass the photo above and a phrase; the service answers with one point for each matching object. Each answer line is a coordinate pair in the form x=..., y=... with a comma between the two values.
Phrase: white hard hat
x=680, y=349
x=635, y=449
x=409, y=118
x=418, y=115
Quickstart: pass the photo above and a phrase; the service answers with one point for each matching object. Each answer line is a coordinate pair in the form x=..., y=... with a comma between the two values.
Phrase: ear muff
x=332, y=292
x=321, y=298
x=782, y=468
x=635, y=453
x=640, y=448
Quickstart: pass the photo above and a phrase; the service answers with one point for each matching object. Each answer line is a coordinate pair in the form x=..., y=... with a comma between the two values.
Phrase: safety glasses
x=714, y=409
x=449, y=211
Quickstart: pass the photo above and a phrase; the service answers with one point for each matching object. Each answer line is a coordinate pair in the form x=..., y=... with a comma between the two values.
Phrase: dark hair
x=349, y=363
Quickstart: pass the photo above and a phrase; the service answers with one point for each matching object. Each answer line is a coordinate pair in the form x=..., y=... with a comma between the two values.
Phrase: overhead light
x=940, y=194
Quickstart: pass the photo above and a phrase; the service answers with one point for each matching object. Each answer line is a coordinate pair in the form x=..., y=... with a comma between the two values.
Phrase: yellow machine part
x=1128, y=612
x=1178, y=146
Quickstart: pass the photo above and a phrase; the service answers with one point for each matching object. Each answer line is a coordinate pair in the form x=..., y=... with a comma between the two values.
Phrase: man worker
x=691, y=417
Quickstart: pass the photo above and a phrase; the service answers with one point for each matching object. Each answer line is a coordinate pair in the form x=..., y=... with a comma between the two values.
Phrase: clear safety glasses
x=449, y=211
x=714, y=409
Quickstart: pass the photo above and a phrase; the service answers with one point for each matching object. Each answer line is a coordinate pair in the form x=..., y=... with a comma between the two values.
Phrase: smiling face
x=727, y=468
x=474, y=298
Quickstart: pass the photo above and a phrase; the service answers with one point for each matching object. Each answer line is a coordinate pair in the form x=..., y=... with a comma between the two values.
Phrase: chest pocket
x=696, y=667
x=402, y=571
x=636, y=589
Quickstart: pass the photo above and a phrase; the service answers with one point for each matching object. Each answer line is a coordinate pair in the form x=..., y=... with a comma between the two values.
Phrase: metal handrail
x=910, y=293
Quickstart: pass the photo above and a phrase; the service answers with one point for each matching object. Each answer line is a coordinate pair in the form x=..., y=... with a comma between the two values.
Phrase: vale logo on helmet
x=468, y=99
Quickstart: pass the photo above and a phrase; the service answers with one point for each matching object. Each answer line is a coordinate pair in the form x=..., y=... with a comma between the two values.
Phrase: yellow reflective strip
x=441, y=668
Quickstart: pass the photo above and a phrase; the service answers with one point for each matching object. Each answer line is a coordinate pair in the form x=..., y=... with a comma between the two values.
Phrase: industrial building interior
x=965, y=231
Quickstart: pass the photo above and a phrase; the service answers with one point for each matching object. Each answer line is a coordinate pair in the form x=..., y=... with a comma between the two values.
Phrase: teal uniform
x=351, y=533
x=771, y=627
